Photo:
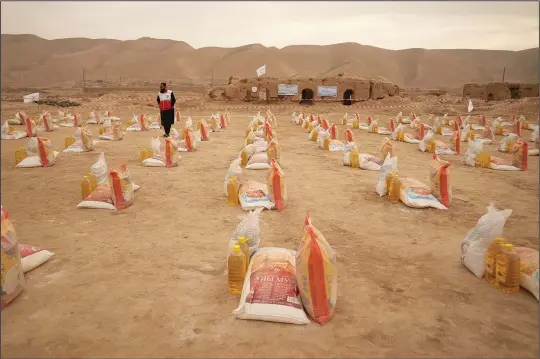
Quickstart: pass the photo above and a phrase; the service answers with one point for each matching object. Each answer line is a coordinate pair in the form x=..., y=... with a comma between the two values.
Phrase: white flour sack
x=33, y=257
x=253, y=195
x=528, y=263
x=270, y=292
x=258, y=161
x=415, y=194
x=474, y=246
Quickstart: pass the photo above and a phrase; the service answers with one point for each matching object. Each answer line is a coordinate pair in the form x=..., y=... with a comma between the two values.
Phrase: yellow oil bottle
x=20, y=154
x=11, y=129
x=199, y=125
x=493, y=250
x=430, y=146
x=483, y=159
x=244, y=247
x=354, y=158
x=394, y=187
x=326, y=144
x=69, y=141
x=508, y=270
x=232, y=191
x=101, y=130
x=499, y=129
x=236, y=270
x=243, y=158
x=86, y=187
x=93, y=181
x=273, y=152
x=356, y=123
x=401, y=136
x=388, y=180
x=145, y=153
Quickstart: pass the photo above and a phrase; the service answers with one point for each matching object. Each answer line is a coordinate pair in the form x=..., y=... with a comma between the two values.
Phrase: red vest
x=165, y=100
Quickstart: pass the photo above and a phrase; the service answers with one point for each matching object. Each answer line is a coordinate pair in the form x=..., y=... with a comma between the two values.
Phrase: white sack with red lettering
x=270, y=292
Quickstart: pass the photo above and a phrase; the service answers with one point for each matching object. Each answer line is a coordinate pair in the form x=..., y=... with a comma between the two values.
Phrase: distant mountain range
x=28, y=60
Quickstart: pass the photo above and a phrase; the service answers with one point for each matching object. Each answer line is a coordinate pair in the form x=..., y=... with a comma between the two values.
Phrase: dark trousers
x=167, y=120
x=166, y=126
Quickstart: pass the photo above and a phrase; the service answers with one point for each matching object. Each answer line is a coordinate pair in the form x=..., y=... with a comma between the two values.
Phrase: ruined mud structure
x=500, y=91
x=305, y=90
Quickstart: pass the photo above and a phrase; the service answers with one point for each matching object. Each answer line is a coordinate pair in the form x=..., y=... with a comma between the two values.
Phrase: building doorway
x=514, y=92
x=262, y=94
x=307, y=97
x=347, y=97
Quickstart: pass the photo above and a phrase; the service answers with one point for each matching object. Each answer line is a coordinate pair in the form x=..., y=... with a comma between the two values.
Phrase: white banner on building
x=254, y=89
x=261, y=70
x=287, y=90
x=327, y=91
x=31, y=97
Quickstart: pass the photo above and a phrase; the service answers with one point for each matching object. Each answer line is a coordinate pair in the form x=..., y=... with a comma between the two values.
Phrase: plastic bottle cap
x=499, y=240
x=236, y=248
x=242, y=240
x=508, y=246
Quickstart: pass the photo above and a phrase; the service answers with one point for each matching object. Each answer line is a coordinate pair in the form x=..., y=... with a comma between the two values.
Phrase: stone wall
x=500, y=91
x=241, y=89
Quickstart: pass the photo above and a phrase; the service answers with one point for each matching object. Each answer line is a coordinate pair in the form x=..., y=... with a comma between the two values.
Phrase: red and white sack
x=31, y=130
x=40, y=153
x=270, y=291
x=32, y=257
x=12, y=272
x=122, y=189
x=316, y=274
x=440, y=181
x=102, y=196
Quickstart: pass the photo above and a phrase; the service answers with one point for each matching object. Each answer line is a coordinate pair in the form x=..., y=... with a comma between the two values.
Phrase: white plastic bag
x=476, y=242
x=249, y=229
x=234, y=170
x=156, y=147
x=534, y=135
x=389, y=165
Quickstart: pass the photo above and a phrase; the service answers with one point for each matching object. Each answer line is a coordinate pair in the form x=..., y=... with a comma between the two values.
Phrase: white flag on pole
x=261, y=70
x=31, y=97
x=470, y=107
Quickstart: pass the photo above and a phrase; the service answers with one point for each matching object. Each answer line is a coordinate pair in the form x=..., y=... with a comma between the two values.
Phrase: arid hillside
x=28, y=60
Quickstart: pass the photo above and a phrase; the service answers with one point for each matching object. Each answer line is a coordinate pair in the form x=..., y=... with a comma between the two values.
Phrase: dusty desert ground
x=150, y=281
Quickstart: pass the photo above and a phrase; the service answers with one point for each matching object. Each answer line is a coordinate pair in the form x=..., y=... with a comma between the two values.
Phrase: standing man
x=166, y=101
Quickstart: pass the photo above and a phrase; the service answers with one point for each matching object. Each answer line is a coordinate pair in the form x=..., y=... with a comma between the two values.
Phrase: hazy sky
x=391, y=25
